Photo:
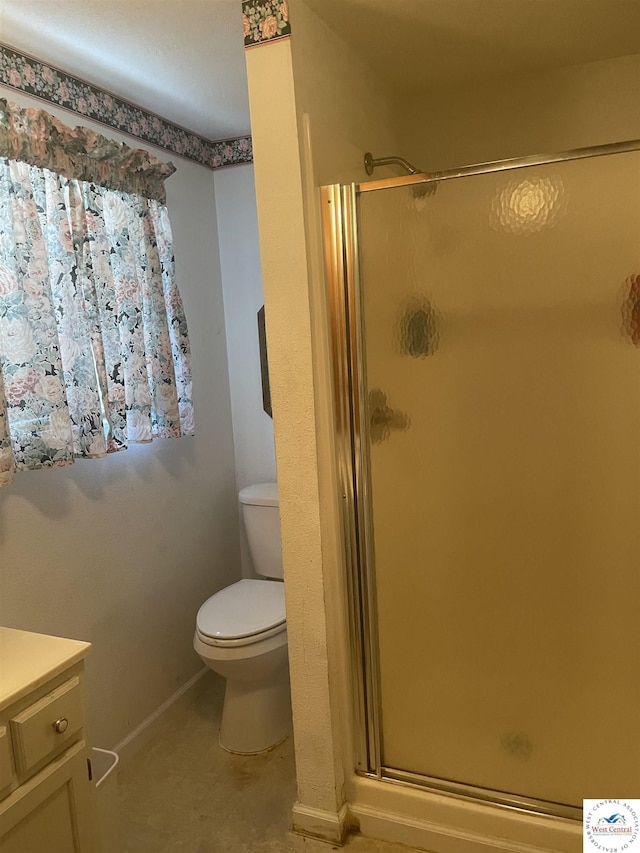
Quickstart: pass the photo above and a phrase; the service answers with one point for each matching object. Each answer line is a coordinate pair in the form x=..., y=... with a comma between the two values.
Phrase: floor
x=182, y=793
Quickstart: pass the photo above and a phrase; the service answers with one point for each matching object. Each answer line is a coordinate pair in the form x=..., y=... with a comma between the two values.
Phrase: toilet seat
x=222, y=642
x=244, y=613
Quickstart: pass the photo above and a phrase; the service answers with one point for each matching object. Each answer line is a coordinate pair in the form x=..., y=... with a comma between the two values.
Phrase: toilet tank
x=261, y=516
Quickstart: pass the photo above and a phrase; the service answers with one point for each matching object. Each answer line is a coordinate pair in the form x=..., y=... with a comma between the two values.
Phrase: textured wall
x=243, y=298
x=351, y=111
x=314, y=135
x=122, y=551
x=571, y=107
x=284, y=267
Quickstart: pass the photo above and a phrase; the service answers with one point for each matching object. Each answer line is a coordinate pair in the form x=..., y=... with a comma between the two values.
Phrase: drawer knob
x=61, y=725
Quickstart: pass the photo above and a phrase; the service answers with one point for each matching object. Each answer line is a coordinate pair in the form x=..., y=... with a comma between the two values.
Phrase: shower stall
x=486, y=347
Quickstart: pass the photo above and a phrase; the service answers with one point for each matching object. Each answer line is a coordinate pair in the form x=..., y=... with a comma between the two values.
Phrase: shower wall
x=570, y=107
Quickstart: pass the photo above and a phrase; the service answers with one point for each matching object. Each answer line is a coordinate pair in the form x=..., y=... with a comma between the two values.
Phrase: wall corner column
x=320, y=810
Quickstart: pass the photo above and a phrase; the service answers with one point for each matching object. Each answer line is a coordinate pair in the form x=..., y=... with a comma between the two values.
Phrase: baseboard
x=445, y=824
x=332, y=827
x=423, y=835
x=153, y=724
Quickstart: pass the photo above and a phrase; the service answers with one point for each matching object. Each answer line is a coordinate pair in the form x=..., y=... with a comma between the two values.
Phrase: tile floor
x=182, y=793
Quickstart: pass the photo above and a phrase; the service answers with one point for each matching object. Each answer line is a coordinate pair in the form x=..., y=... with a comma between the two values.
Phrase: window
x=94, y=351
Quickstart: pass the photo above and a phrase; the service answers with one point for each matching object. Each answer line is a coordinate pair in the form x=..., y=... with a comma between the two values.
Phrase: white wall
x=312, y=133
x=243, y=298
x=543, y=113
x=122, y=551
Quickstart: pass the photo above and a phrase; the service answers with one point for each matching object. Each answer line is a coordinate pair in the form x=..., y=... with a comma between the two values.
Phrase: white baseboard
x=332, y=827
x=152, y=725
x=442, y=824
x=427, y=836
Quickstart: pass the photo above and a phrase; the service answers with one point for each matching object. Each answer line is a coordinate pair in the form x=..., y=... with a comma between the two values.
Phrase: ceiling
x=181, y=59
x=418, y=45
x=184, y=59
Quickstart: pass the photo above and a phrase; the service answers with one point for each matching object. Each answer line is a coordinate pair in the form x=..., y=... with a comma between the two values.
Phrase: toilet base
x=256, y=716
x=260, y=752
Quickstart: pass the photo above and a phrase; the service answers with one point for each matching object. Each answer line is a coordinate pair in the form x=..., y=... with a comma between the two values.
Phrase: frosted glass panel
x=502, y=338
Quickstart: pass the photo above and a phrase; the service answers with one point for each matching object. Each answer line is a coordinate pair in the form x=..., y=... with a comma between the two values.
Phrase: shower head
x=417, y=190
x=370, y=164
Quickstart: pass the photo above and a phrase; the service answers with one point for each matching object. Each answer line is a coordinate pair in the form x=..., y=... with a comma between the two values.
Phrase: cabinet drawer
x=6, y=775
x=47, y=725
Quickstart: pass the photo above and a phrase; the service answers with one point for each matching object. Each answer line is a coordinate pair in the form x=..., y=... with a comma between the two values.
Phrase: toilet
x=241, y=633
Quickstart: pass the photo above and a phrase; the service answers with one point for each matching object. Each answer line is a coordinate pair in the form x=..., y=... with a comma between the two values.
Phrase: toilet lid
x=243, y=609
x=263, y=494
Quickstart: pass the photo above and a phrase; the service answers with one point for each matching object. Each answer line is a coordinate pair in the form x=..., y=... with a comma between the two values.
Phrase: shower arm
x=370, y=164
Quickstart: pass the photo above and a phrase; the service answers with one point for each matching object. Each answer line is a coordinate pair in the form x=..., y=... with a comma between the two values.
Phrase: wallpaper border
x=264, y=21
x=42, y=80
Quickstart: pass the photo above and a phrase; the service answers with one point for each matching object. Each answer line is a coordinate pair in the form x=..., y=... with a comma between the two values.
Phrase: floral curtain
x=94, y=351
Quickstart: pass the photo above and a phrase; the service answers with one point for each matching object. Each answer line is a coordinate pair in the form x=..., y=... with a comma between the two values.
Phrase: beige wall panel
x=571, y=107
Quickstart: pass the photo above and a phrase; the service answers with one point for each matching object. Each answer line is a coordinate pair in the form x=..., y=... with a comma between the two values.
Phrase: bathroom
x=95, y=564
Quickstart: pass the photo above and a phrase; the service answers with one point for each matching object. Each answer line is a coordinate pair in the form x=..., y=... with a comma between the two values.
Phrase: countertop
x=28, y=660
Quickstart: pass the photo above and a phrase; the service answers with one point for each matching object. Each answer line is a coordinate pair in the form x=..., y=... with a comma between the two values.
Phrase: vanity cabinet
x=46, y=795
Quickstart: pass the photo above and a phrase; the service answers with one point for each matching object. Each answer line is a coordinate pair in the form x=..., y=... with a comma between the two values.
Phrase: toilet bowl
x=241, y=633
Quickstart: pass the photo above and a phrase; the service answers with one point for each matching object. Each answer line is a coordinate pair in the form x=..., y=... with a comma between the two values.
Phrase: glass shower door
x=501, y=327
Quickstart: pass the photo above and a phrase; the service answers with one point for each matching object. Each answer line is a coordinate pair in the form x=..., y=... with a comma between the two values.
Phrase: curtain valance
x=39, y=139
x=94, y=349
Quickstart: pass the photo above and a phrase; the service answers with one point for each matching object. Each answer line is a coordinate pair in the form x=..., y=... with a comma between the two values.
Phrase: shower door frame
x=342, y=266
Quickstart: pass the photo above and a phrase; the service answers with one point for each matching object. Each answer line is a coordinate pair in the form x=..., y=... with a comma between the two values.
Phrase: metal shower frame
x=342, y=264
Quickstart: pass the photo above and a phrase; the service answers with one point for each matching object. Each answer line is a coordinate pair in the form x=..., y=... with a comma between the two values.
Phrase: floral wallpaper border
x=45, y=81
x=264, y=20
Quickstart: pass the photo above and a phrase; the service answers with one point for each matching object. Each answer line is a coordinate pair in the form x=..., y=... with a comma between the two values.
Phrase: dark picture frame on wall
x=264, y=364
